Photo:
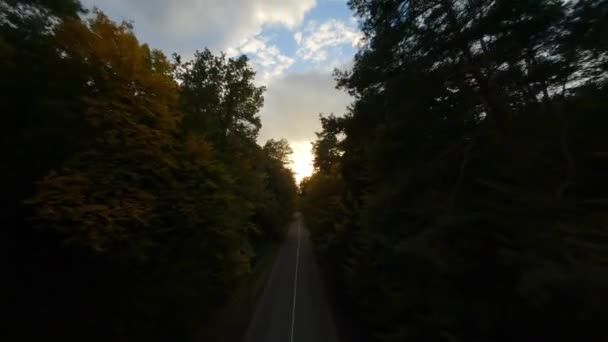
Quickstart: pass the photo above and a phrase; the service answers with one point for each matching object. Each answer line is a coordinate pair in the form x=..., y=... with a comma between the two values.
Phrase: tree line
x=463, y=196
x=134, y=195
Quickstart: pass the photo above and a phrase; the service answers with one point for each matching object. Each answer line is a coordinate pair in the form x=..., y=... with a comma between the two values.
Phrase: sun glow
x=302, y=159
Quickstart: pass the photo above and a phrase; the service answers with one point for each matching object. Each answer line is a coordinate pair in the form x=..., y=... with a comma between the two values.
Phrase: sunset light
x=304, y=170
x=302, y=159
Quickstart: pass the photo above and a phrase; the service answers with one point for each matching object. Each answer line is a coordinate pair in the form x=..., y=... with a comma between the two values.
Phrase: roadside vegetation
x=135, y=198
x=464, y=197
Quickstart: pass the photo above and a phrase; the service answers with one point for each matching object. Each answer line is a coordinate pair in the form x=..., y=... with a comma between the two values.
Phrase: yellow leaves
x=242, y=262
x=199, y=148
x=89, y=213
x=101, y=41
x=132, y=188
x=122, y=71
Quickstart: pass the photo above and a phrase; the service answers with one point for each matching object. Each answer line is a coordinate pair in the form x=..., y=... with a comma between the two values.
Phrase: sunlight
x=302, y=159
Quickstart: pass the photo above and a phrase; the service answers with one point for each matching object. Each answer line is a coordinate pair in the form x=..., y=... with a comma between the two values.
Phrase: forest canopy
x=463, y=196
x=133, y=186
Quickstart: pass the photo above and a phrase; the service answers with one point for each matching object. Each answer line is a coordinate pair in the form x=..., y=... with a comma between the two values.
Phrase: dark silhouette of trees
x=465, y=201
x=134, y=195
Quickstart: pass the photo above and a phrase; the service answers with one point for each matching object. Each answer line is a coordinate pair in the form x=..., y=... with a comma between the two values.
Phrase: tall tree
x=279, y=150
x=326, y=150
x=219, y=97
x=40, y=95
x=131, y=103
x=114, y=204
x=466, y=173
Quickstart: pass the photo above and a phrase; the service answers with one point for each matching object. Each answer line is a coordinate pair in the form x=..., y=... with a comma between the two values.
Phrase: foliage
x=281, y=189
x=134, y=204
x=218, y=95
x=466, y=202
x=279, y=150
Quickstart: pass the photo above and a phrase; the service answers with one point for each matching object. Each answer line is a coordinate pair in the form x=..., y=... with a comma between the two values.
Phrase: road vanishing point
x=293, y=306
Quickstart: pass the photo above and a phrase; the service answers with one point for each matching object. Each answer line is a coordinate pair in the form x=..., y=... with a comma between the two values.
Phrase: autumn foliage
x=135, y=195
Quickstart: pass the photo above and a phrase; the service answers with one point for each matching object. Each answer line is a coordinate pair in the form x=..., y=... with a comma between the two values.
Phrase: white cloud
x=298, y=37
x=217, y=24
x=293, y=103
x=267, y=59
x=321, y=39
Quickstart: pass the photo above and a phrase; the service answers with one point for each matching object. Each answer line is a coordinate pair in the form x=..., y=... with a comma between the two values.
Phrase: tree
x=280, y=186
x=41, y=104
x=131, y=104
x=279, y=150
x=219, y=98
x=326, y=151
x=463, y=155
x=114, y=204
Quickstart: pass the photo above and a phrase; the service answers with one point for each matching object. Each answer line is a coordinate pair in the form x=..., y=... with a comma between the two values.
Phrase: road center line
x=295, y=284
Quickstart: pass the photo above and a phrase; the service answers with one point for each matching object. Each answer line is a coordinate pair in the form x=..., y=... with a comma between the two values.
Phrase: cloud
x=267, y=59
x=293, y=103
x=321, y=40
x=217, y=24
x=298, y=37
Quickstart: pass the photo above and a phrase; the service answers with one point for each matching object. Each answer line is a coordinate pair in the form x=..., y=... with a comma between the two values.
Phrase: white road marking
x=295, y=284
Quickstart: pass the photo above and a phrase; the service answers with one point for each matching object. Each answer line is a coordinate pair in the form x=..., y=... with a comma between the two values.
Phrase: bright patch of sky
x=293, y=44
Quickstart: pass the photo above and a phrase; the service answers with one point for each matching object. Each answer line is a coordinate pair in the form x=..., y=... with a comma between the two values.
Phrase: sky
x=293, y=44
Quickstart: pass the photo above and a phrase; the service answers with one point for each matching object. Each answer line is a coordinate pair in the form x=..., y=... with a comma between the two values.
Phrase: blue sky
x=293, y=44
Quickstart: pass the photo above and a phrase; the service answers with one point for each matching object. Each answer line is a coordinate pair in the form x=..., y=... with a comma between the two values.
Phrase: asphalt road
x=293, y=306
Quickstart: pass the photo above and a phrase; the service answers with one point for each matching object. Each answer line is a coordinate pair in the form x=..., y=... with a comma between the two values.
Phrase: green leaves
x=218, y=96
x=451, y=201
x=128, y=195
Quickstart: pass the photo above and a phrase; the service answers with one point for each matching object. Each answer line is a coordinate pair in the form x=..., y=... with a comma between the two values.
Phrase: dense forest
x=134, y=195
x=464, y=196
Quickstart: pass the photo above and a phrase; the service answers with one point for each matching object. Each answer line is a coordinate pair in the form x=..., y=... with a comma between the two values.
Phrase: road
x=293, y=306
